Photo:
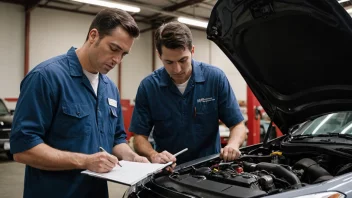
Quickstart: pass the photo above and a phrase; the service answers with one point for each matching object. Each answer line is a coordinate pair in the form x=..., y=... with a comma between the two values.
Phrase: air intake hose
x=313, y=172
x=276, y=169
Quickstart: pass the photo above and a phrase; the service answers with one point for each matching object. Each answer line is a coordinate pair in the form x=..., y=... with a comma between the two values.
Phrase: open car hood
x=293, y=54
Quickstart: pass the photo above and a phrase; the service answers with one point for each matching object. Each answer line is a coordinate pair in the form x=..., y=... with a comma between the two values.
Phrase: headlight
x=324, y=195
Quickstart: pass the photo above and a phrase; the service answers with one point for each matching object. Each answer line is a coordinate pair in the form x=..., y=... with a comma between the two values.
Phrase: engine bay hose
x=276, y=169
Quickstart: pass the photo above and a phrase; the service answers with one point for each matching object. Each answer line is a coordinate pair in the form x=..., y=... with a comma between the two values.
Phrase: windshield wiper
x=301, y=137
x=347, y=136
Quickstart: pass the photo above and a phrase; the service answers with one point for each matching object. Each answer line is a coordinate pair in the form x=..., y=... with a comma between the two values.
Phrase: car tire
x=9, y=155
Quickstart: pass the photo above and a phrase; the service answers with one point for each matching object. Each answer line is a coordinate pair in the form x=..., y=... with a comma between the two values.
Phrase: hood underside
x=293, y=54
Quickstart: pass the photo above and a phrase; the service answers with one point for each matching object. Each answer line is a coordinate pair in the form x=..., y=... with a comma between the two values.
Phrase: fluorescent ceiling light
x=110, y=4
x=349, y=11
x=193, y=22
x=341, y=1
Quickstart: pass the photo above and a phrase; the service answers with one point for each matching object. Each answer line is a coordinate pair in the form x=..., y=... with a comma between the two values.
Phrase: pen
x=180, y=152
x=103, y=150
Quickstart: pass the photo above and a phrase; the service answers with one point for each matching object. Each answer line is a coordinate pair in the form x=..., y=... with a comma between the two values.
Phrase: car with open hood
x=294, y=55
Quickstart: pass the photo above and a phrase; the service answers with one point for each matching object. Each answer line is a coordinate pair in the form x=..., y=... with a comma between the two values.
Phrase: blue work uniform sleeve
x=229, y=110
x=141, y=118
x=120, y=133
x=33, y=114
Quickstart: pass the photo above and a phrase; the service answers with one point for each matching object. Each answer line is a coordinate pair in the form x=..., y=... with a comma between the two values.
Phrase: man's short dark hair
x=173, y=35
x=108, y=19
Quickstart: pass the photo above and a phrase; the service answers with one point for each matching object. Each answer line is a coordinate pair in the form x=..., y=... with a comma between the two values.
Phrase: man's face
x=178, y=63
x=104, y=54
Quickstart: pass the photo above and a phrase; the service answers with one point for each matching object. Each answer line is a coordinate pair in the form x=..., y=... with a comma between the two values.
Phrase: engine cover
x=209, y=188
x=247, y=180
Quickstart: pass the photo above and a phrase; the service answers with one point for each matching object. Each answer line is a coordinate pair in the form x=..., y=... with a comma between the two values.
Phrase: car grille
x=5, y=133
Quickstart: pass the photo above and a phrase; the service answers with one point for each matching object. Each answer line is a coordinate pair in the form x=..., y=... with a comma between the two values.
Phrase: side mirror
x=12, y=111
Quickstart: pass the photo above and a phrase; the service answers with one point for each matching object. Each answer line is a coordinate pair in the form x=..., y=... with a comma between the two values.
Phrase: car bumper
x=4, y=145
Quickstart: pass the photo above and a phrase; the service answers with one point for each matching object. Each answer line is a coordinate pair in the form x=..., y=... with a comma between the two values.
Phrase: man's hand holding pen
x=163, y=158
x=103, y=150
x=101, y=162
x=166, y=157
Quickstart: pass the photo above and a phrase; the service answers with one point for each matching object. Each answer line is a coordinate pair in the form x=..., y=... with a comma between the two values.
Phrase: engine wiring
x=271, y=173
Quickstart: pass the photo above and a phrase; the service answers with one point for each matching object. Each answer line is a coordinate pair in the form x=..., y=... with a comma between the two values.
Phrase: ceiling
x=153, y=12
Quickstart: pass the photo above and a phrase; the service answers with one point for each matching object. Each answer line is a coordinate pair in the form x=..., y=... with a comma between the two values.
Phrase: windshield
x=3, y=109
x=340, y=122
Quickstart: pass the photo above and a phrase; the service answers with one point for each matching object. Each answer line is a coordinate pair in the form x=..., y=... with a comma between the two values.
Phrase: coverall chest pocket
x=203, y=108
x=113, y=119
x=206, y=117
x=162, y=124
x=75, y=120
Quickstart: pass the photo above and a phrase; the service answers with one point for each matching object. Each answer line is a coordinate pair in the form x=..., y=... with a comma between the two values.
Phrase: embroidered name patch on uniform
x=112, y=102
x=205, y=99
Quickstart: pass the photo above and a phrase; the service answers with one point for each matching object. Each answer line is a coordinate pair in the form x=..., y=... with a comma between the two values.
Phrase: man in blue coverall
x=184, y=101
x=68, y=108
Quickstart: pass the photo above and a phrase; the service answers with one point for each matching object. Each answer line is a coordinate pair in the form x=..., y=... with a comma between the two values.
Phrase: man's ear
x=192, y=51
x=93, y=35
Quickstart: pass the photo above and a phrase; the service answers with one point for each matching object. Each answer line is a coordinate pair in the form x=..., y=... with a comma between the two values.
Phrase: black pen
x=103, y=150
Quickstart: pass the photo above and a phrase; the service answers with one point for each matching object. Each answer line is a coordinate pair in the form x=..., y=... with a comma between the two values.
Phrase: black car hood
x=293, y=54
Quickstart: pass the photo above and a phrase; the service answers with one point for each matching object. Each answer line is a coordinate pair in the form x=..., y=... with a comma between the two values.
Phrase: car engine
x=249, y=179
x=255, y=174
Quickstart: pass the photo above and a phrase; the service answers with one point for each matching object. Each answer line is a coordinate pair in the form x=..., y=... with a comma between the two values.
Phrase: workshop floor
x=12, y=175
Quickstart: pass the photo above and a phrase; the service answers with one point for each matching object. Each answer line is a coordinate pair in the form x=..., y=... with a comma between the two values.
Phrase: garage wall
x=11, y=49
x=137, y=64
x=53, y=32
x=208, y=52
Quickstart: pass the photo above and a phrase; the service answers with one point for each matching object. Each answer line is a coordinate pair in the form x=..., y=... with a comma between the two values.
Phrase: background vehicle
x=6, y=117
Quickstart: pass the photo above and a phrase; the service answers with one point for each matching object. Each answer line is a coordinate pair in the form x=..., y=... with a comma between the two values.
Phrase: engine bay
x=255, y=177
x=257, y=173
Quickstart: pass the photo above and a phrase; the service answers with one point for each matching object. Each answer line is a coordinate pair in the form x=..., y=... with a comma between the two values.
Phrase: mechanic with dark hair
x=184, y=101
x=68, y=108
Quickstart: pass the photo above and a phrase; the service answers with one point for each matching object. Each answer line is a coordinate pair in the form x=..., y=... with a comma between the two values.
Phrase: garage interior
x=35, y=30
